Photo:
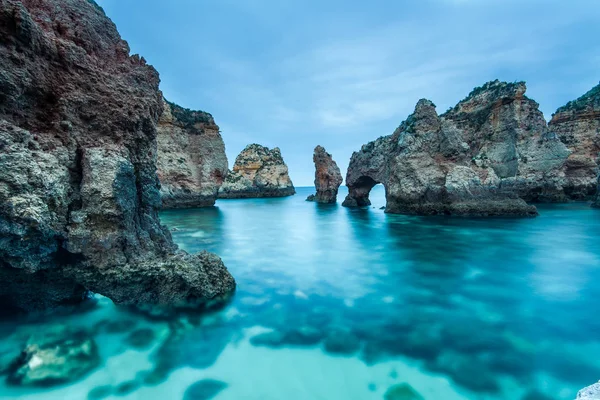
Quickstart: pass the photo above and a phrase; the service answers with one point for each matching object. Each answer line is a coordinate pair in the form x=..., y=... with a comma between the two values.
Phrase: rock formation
x=577, y=124
x=484, y=156
x=191, y=158
x=327, y=177
x=591, y=392
x=257, y=172
x=79, y=193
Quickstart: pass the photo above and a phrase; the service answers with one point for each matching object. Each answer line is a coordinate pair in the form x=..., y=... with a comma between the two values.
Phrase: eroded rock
x=191, y=158
x=327, y=177
x=577, y=124
x=257, y=172
x=79, y=193
x=483, y=157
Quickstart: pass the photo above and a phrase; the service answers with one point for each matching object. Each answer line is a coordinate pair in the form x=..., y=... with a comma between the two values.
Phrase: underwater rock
x=141, y=338
x=191, y=158
x=57, y=355
x=466, y=371
x=327, y=177
x=79, y=193
x=341, y=341
x=127, y=387
x=205, y=389
x=268, y=339
x=577, y=124
x=483, y=157
x=402, y=391
x=300, y=336
x=257, y=172
x=591, y=392
x=535, y=395
x=100, y=392
x=119, y=326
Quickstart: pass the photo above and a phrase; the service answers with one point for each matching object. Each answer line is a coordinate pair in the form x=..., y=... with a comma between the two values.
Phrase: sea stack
x=191, y=161
x=327, y=177
x=79, y=193
x=577, y=124
x=483, y=157
x=257, y=172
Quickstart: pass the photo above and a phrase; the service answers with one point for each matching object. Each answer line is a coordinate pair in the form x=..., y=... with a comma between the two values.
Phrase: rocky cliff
x=257, y=172
x=484, y=156
x=327, y=177
x=79, y=193
x=191, y=158
x=577, y=124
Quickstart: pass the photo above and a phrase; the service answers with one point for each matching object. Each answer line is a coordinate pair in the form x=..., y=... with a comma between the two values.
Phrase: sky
x=340, y=73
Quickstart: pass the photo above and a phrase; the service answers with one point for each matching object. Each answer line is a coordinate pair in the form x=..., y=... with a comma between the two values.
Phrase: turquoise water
x=336, y=303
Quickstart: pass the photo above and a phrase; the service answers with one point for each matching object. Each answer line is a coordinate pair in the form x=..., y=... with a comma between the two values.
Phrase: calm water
x=337, y=303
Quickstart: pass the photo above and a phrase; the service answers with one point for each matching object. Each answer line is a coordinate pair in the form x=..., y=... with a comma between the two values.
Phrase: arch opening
x=358, y=192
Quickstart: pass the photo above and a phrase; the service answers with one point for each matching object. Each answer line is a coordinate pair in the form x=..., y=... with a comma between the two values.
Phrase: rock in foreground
x=590, y=393
x=257, y=172
x=483, y=157
x=191, y=158
x=79, y=194
x=327, y=177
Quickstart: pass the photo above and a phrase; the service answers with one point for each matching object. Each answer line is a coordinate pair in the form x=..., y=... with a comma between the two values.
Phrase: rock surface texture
x=79, y=193
x=257, y=172
x=191, y=158
x=327, y=177
x=577, y=124
x=486, y=156
x=590, y=393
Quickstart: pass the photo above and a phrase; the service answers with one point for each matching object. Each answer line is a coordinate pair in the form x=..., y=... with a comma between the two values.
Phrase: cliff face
x=482, y=157
x=79, y=192
x=191, y=158
x=257, y=172
x=327, y=177
x=577, y=124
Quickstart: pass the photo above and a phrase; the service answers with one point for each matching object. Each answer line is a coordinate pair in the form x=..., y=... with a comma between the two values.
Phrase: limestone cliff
x=482, y=157
x=257, y=172
x=191, y=158
x=577, y=124
x=327, y=177
x=79, y=193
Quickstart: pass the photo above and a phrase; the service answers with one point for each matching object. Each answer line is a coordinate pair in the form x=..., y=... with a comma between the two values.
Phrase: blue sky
x=295, y=74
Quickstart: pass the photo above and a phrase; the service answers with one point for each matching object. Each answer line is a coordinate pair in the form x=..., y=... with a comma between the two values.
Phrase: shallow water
x=359, y=301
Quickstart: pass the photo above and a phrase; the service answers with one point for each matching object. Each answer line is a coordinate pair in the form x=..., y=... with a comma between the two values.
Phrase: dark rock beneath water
x=466, y=371
x=268, y=339
x=536, y=395
x=402, y=391
x=327, y=177
x=119, y=326
x=205, y=389
x=57, y=355
x=141, y=338
x=258, y=172
x=341, y=341
x=100, y=392
x=301, y=336
x=128, y=387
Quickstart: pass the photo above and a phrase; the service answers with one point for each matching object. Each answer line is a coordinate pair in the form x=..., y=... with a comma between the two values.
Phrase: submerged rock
x=327, y=177
x=79, y=193
x=141, y=338
x=191, y=158
x=591, y=392
x=466, y=371
x=577, y=124
x=55, y=356
x=483, y=157
x=341, y=341
x=402, y=391
x=257, y=172
x=205, y=389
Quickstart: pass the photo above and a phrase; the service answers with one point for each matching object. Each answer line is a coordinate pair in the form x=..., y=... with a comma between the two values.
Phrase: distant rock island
x=257, y=172
x=486, y=156
x=79, y=193
x=191, y=162
x=327, y=177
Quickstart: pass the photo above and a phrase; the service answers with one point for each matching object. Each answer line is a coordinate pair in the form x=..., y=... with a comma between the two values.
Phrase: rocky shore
x=327, y=177
x=486, y=156
x=191, y=158
x=258, y=172
x=79, y=193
